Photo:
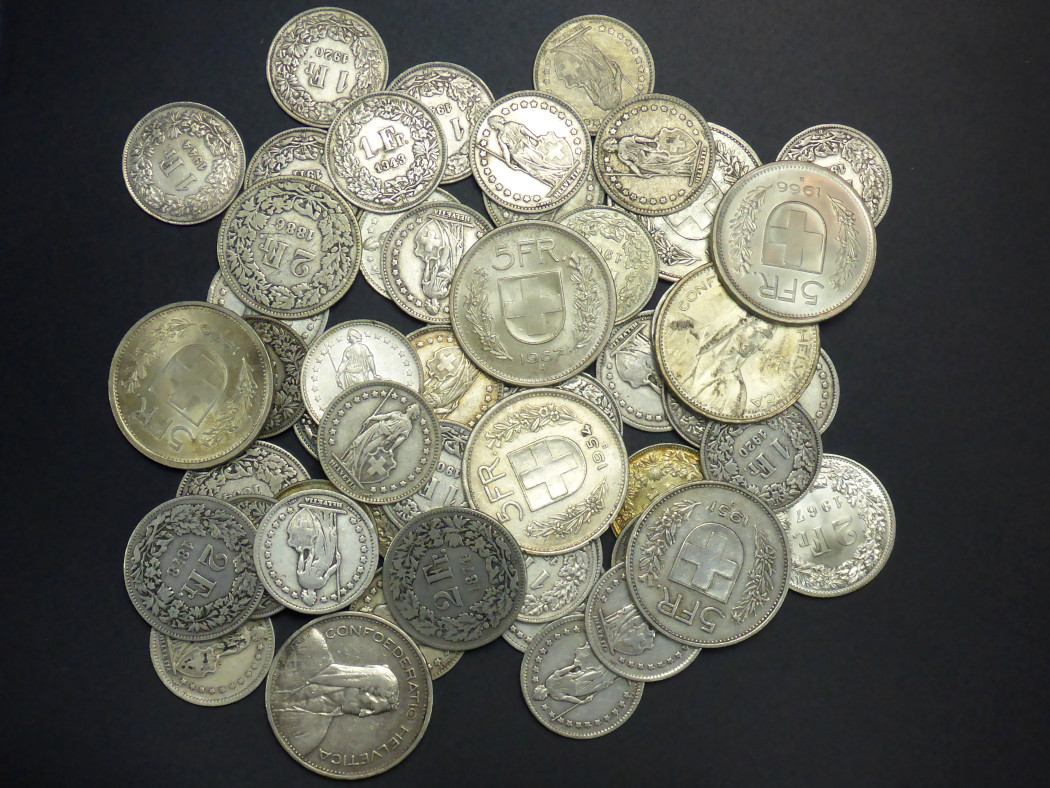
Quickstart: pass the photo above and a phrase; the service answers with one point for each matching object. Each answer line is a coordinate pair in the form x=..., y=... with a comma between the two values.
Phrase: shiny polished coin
x=559, y=584
x=322, y=59
x=593, y=63
x=458, y=98
x=263, y=469
x=654, y=154
x=821, y=397
x=568, y=689
x=316, y=551
x=183, y=163
x=309, y=328
x=190, y=385
x=289, y=247
x=349, y=695
x=298, y=152
x=306, y=431
x=532, y=303
x=444, y=488
x=379, y=442
x=188, y=568
x=456, y=389
x=307, y=485
x=724, y=362
x=530, y=152
x=215, y=672
x=255, y=507
x=454, y=578
x=850, y=154
x=653, y=471
x=548, y=465
x=627, y=368
x=619, y=551
x=687, y=423
x=794, y=242
x=287, y=351
x=591, y=390
x=841, y=532
x=589, y=194
x=708, y=564
x=385, y=152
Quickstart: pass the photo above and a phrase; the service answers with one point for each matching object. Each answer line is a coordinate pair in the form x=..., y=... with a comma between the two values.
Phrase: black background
x=931, y=674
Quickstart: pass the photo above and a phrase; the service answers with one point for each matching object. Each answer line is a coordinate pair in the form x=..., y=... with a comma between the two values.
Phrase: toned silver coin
x=190, y=385
x=188, y=568
x=264, y=469
x=458, y=98
x=654, y=154
x=558, y=584
x=349, y=695
x=532, y=303
x=725, y=362
x=626, y=248
x=445, y=487
x=619, y=551
x=306, y=432
x=821, y=397
x=379, y=442
x=622, y=639
x=183, y=163
x=358, y=351
x=591, y=390
x=287, y=351
x=255, y=508
x=627, y=368
x=215, y=672
x=689, y=424
x=653, y=471
x=385, y=152
x=307, y=485
x=793, y=242
x=454, y=578
x=550, y=466
x=289, y=247
x=456, y=389
x=322, y=59
x=386, y=529
x=530, y=152
x=590, y=193
x=850, y=154
x=841, y=532
x=708, y=564
x=316, y=551
x=519, y=634
x=422, y=252
x=309, y=328
x=298, y=152
x=568, y=689
x=593, y=63
x=683, y=238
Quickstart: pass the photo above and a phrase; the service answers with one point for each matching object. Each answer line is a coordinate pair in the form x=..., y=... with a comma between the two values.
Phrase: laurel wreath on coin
x=529, y=418
x=235, y=409
x=725, y=465
x=300, y=146
x=759, y=583
x=653, y=469
x=632, y=255
x=824, y=143
x=660, y=537
x=467, y=96
x=287, y=398
x=269, y=469
x=671, y=256
x=571, y=520
x=570, y=575
x=586, y=300
x=476, y=312
x=742, y=229
x=847, y=240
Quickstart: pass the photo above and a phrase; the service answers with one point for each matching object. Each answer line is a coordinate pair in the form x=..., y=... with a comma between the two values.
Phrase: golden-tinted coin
x=307, y=485
x=455, y=388
x=653, y=471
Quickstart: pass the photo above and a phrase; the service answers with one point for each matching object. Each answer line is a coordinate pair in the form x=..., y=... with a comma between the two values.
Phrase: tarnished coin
x=358, y=351
x=724, y=362
x=454, y=578
x=289, y=247
x=307, y=485
x=687, y=423
x=626, y=248
x=287, y=351
x=309, y=328
x=558, y=584
x=183, y=163
x=297, y=152
x=619, y=551
x=653, y=471
x=255, y=508
x=445, y=487
x=322, y=59
x=306, y=432
x=519, y=634
x=455, y=388
x=654, y=154
x=264, y=469
x=532, y=303
x=841, y=532
x=385, y=152
x=386, y=530
x=590, y=193
x=190, y=385
x=530, y=152
x=708, y=564
x=593, y=63
x=422, y=252
x=550, y=466
x=683, y=238
x=316, y=551
x=458, y=98
x=215, y=672
x=349, y=695
x=793, y=242
x=850, y=154
x=568, y=689
x=379, y=442
x=627, y=368
x=188, y=568
x=775, y=459
x=821, y=397
x=622, y=639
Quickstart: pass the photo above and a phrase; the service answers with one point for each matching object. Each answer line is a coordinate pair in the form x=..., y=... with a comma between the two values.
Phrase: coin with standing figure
x=590, y=193
x=445, y=487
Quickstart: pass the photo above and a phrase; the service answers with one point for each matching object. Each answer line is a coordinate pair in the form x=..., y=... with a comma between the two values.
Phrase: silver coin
x=619, y=551
x=445, y=487
x=316, y=551
x=458, y=98
x=454, y=578
x=821, y=397
x=287, y=351
x=183, y=163
x=519, y=634
x=306, y=431
x=215, y=672
x=263, y=469
x=558, y=584
x=358, y=351
x=322, y=59
x=568, y=689
x=841, y=532
x=297, y=152
x=349, y=695
x=589, y=194
x=385, y=529
x=622, y=639
x=255, y=508
x=627, y=368
x=309, y=328
x=455, y=388
x=188, y=568
x=590, y=389
x=689, y=424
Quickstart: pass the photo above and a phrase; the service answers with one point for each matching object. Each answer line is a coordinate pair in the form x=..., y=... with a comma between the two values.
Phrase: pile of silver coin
x=476, y=454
